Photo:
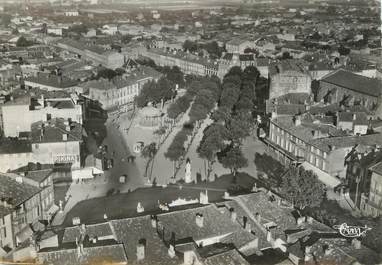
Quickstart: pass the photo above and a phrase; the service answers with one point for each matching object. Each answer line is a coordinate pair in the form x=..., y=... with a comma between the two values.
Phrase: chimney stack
x=199, y=220
x=258, y=217
x=269, y=235
x=188, y=258
x=356, y=243
x=154, y=221
x=233, y=214
x=297, y=120
x=171, y=251
x=308, y=254
x=141, y=249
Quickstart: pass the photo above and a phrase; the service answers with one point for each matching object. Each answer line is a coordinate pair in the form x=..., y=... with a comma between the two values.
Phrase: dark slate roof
x=212, y=216
x=358, y=83
x=39, y=175
x=228, y=257
x=377, y=168
x=360, y=117
x=14, y=192
x=53, y=131
x=270, y=256
x=10, y=146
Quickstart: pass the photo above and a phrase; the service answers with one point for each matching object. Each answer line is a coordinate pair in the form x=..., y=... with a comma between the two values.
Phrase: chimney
x=297, y=120
x=188, y=258
x=203, y=198
x=65, y=137
x=233, y=214
x=327, y=250
x=356, y=243
x=141, y=248
x=248, y=227
x=301, y=220
x=309, y=219
x=258, y=217
x=199, y=220
x=308, y=254
x=269, y=235
x=154, y=221
x=171, y=251
x=354, y=116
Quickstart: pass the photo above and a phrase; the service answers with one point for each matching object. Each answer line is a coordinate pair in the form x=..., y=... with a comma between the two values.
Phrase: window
x=3, y=232
x=36, y=146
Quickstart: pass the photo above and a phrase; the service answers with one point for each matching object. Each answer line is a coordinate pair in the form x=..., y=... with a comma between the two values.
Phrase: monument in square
x=187, y=176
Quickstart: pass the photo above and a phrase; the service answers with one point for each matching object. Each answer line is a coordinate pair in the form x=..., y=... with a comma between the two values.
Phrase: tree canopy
x=233, y=159
x=155, y=92
x=302, y=188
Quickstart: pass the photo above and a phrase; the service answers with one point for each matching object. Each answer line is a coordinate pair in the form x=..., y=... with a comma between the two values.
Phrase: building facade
x=23, y=203
x=350, y=89
x=289, y=76
x=19, y=115
x=371, y=204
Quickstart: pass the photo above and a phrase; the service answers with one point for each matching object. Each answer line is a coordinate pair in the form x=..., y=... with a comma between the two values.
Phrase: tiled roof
x=358, y=83
x=288, y=65
x=95, y=231
x=96, y=254
x=128, y=79
x=347, y=141
x=53, y=131
x=304, y=131
x=130, y=231
x=211, y=217
x=52, y=80
x=14, y=192
x=39, y=175
x=342, y=252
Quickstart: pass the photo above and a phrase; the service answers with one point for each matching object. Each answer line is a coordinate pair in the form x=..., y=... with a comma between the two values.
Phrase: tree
x=251, y=73
x=23, y=42
x=315, y=87
x=213, y=49
x=175, y=75
x=239, y=126
x=190, y=46
x=302, y=188
x=176, y=149
x=148, y=153
x=78, y=29
x=106, y=73
x=211, y=143
x=155, y=92
x=160, y=132
x=230, y=95
x=5, y=19
x=233, y=159
x=286, y=55
x=343, y=50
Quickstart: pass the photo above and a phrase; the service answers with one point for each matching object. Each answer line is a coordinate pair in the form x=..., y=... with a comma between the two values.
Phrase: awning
x=84, y=173
x=324, y=177
x=97, y=171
